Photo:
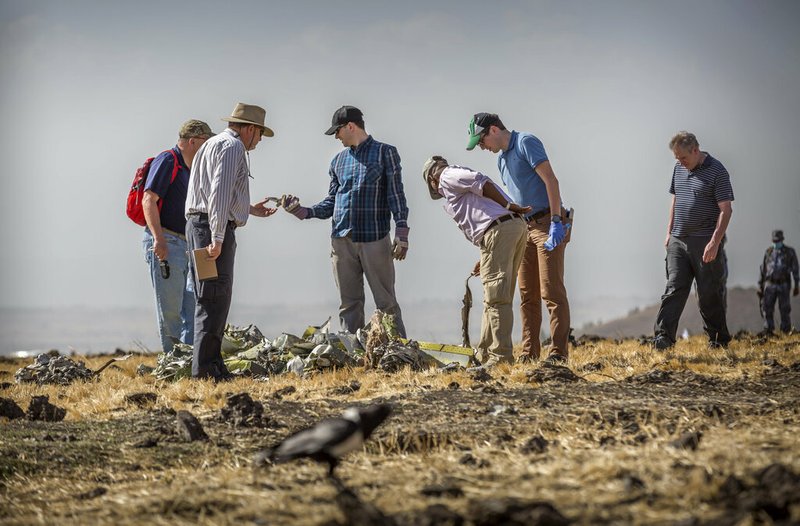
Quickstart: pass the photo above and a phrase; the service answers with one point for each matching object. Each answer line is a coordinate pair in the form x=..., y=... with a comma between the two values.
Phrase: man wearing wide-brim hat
x=219, y=202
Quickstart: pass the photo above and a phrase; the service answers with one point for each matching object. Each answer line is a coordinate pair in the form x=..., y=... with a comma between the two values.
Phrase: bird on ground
x=330, y=439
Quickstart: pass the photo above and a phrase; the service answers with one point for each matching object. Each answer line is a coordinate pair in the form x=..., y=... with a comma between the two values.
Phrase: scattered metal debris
x=49, y=369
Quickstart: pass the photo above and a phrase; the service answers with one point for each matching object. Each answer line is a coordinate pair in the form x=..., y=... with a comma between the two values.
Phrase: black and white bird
x=332, y=438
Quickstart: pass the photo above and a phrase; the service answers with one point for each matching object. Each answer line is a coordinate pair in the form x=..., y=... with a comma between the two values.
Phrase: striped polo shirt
x=696, y=196
x=219, y=183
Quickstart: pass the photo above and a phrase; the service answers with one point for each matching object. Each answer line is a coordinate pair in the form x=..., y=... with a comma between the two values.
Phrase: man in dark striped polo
x=698, y=217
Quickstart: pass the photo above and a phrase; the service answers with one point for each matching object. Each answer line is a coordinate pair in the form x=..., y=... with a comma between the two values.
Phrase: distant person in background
x=492, y=222
x=698, y=217
x=365, y=191
x=528, y=175
x=164, y=240
x=219, y=202
x=775, y=282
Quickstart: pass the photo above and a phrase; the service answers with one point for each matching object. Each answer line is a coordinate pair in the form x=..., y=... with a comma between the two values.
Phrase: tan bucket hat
x=250, y=114
x=428, y=169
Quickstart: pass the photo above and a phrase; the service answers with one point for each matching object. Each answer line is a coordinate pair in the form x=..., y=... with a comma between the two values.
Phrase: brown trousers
x=541, y=277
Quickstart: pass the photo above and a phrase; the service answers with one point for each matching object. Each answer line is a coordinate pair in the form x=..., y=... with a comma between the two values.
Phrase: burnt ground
x=536, y=445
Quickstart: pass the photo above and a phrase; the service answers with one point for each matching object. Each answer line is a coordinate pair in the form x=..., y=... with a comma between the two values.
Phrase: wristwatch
x=555, y=218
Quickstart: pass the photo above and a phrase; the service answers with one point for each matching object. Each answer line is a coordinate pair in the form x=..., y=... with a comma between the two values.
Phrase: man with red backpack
x=163, y=203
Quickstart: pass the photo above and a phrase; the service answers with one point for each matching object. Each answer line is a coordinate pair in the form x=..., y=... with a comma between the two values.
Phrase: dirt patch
x=703, y=441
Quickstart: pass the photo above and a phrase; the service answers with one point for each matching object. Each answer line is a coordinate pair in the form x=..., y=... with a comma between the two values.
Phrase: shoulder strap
x=176, y=167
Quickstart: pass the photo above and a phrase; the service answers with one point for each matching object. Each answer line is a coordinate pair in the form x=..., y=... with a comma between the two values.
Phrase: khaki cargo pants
x=502, y=248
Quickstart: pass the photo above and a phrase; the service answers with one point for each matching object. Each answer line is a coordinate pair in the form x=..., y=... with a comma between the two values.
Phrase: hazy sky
x=92, y=88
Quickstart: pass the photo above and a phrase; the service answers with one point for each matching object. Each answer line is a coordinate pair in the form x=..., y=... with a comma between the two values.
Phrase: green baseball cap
x=478, y=125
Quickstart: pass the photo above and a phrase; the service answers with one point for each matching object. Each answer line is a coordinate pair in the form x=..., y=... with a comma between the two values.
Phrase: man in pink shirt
x=492, y=222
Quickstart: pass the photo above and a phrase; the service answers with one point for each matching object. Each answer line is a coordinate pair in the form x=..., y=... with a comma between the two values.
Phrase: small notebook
x=204, y=267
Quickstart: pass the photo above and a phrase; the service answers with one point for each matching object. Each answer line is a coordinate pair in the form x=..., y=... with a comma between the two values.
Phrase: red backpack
x=134, y=204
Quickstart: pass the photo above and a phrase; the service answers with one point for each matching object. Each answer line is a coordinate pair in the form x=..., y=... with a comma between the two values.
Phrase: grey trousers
x=213, y=299
x=351, y=263
x=684, y=265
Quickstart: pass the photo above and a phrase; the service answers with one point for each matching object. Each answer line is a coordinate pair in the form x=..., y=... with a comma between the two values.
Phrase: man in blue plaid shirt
x=366, y=189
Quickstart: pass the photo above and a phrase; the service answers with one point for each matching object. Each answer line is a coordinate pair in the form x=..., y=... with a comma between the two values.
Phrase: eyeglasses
x=483, y=135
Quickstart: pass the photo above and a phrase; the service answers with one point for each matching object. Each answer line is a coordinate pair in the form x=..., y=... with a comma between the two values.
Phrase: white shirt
x=462, y=188
x=219, y=183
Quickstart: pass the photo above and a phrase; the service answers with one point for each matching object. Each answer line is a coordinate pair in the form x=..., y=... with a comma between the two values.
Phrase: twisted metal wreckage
x=247, y=352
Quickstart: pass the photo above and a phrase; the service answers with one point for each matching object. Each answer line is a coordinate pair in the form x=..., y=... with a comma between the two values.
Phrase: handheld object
x=164, y=266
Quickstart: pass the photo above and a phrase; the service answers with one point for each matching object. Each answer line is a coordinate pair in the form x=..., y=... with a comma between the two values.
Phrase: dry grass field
x=624, y=435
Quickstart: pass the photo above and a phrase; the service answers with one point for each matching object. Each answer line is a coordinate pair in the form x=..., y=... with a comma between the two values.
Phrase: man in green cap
x=164, y=240
x=527, y=174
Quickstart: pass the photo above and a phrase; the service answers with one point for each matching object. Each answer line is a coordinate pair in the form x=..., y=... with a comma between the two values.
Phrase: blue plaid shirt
x=366, y=187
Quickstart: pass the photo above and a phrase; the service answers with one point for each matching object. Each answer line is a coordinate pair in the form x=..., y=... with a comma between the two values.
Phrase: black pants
x=213, y=299
x=684, y=265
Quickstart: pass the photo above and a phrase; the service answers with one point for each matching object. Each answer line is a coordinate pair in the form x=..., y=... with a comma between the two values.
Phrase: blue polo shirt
x=173, y=195
x=517, y=169
x=696, y=196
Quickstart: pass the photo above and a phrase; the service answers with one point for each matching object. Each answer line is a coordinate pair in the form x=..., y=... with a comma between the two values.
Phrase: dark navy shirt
x=366, y=189
x=696, y=196
x=173, y=195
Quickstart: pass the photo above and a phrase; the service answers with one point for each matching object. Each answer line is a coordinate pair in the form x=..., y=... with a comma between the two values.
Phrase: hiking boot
x=555, y=359
x=662, y=344
x=527, y=358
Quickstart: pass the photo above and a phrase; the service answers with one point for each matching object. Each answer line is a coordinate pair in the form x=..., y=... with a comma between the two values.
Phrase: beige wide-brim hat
x=250, y=114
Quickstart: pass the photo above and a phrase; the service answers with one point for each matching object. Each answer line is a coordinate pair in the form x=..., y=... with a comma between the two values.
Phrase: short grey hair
x=683, y=140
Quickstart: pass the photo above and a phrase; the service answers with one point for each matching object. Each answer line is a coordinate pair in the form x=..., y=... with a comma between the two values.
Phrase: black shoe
x=217, y=372
x=712, y=344
x=662, y=344
x=226, y=376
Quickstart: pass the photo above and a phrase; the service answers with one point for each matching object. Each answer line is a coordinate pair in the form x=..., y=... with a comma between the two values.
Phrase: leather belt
x=501, y=219
x=168, y=231
x=204, y=217
x=538, y=215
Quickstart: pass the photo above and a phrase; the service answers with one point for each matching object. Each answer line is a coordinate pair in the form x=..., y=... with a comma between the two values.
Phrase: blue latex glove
x=557, y=234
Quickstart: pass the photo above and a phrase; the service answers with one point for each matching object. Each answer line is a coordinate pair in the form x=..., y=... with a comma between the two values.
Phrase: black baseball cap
x=777, y=236
x=342, y=116
x=480, y=122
